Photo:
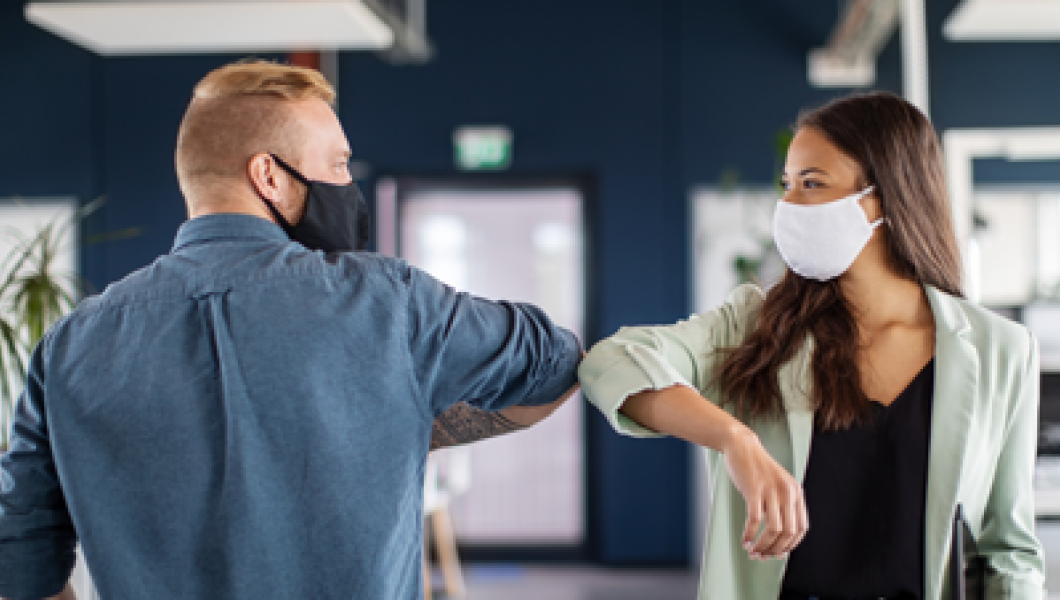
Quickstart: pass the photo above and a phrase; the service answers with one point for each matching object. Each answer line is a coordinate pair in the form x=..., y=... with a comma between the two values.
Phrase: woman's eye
x=784, y=185
x=811, y=184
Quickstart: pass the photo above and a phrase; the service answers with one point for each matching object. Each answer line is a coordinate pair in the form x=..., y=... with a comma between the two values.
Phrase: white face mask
x=821, y=241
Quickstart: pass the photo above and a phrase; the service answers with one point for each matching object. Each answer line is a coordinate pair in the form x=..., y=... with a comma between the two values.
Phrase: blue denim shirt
x=245, y=418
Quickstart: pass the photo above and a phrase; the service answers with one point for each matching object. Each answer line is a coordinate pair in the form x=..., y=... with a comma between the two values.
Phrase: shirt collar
x=227, y=226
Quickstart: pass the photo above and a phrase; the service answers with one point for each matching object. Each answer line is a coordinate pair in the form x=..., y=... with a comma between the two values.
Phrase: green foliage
x=781, y=142
x=33, y=296
x=746, y=269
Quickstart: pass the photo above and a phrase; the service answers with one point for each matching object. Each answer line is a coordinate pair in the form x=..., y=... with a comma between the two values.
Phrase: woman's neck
x=880, y=296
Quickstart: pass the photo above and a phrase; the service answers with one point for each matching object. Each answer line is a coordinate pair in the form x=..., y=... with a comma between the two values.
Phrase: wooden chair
x=448, y=475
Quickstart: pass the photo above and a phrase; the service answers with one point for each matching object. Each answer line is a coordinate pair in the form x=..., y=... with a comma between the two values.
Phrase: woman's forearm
x=681, y=412
x=776, y=508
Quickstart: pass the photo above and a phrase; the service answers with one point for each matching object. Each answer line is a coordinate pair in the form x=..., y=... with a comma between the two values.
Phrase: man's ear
x=262, y=171
x=273, y=183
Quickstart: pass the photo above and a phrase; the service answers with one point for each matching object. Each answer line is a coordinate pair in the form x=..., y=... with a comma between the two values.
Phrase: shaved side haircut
x=237, y=111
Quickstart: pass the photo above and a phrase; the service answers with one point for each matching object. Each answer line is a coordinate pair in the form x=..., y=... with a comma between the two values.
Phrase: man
x=247, y=417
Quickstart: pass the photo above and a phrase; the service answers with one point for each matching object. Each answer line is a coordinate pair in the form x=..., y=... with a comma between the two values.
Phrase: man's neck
x=229, y=209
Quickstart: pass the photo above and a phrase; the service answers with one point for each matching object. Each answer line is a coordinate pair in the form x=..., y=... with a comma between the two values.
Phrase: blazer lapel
x=954, y=401
x=796, y=378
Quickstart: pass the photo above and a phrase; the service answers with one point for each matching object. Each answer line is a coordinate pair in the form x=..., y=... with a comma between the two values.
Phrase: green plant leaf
x=12, y=365
x=34, y=296
x=37, y=295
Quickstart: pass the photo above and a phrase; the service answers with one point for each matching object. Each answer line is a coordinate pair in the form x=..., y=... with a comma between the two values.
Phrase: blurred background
x=614, y=161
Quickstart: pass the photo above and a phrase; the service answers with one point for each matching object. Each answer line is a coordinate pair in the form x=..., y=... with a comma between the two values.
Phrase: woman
x=913, y=400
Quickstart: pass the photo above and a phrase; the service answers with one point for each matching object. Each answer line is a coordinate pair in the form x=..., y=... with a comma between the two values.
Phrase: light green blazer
x=984, y=433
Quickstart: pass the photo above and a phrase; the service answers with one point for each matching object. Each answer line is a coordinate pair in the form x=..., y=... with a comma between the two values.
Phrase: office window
x=1015, y=247
x=732, y=242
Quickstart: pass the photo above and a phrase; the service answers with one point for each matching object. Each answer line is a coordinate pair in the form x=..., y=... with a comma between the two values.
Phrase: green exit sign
x=483, y=148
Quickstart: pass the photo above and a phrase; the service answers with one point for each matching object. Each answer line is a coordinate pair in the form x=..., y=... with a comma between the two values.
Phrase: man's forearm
x=463, y=424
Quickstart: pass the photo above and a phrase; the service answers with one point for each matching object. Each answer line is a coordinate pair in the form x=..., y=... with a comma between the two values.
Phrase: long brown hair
x=900, y=156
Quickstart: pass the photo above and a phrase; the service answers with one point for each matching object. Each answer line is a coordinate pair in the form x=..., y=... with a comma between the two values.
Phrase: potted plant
x=34, y=294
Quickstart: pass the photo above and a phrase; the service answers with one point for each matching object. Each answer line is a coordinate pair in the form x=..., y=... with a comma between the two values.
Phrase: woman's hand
x=771, y=493
x=772, y=496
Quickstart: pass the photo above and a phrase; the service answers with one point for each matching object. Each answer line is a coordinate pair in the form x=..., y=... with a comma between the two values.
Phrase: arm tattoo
x=462, y=424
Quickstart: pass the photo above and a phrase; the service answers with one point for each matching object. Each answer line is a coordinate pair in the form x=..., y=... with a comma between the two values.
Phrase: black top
x=866, y=488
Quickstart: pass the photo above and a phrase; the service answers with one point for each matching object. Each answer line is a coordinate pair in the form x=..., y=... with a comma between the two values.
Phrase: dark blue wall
x=49, y=114
x=979, y=84
x=744, y=80
x=48, y=111
x=650, y=98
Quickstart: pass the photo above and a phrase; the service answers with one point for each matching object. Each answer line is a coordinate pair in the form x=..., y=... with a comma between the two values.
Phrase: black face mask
x=336, y=216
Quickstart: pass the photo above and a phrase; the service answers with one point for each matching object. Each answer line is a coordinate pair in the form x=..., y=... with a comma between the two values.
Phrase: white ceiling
x=185, y=27
x=1004, y=20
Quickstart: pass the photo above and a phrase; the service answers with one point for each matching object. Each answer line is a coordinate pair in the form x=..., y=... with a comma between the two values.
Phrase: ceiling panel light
x=1004, y=20
x=130, y=28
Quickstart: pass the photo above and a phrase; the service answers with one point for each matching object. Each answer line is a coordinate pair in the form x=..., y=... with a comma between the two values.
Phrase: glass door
x=508, y=241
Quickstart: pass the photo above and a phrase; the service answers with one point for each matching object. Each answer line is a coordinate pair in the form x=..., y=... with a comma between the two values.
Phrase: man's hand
x=463, y=424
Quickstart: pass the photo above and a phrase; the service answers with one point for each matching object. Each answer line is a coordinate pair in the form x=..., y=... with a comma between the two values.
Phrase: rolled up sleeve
x=489, y=354
x=638, y=359
x=37, y=538
x=1008, y=540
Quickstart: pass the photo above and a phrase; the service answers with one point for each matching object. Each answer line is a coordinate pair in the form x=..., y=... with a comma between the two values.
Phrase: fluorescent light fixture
x=131, y=28
x=1004, y=20
x=849, y=59
x=827, y=69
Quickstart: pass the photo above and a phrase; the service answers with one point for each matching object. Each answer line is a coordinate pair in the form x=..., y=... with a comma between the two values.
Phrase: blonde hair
x=240, y=110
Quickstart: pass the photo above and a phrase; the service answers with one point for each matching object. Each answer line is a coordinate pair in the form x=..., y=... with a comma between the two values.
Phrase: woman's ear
x=870, y=203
